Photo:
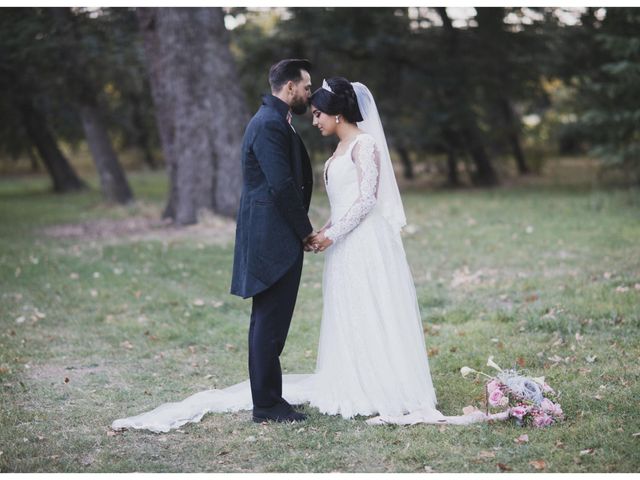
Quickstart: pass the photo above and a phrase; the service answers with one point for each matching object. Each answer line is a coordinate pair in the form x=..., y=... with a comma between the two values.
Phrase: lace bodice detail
x=365, y=160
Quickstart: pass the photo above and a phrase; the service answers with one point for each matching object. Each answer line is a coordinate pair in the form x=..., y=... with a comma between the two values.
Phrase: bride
x=372, y=358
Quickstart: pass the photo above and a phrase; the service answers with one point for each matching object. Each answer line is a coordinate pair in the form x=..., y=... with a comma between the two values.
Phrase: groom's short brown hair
x=285, y=70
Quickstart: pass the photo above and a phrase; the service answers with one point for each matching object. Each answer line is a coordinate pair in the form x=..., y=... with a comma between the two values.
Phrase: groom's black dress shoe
x=280, y=412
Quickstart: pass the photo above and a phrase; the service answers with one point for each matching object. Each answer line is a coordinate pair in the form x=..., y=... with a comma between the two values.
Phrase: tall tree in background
x=499, y=74
x=81, y=74
x=200, y=108
x=608, y=95
x=457, y=93
x=25, y=94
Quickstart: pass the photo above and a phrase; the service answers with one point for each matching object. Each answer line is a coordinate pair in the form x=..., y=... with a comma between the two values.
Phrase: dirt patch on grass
x=210, y=229
x=52, y=373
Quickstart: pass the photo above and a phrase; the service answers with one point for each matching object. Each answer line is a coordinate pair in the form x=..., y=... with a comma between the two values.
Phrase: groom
x=272, y=231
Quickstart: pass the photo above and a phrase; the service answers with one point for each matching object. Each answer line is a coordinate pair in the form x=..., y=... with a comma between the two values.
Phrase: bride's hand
x=320, y=242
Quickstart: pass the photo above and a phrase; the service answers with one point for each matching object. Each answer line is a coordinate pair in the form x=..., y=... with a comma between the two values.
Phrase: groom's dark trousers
x=270, y=319
x=271, y=226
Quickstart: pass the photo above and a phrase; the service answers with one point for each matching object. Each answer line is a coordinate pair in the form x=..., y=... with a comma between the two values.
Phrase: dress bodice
x=351, y=182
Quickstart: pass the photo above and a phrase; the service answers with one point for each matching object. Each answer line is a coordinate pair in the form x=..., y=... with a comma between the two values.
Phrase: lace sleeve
x=367, y=164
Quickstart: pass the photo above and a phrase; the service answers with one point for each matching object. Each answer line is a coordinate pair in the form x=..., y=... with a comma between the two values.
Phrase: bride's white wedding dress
x=372, y=358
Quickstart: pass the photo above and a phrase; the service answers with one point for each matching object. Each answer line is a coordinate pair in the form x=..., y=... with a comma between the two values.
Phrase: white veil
x=389, y=201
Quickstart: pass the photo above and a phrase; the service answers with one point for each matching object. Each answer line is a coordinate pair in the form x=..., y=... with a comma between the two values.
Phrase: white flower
x=539, y=380
x=492, y=364
x=466, y=371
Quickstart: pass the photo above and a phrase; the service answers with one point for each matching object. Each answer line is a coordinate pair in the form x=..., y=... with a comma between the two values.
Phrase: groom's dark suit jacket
x=272, y=218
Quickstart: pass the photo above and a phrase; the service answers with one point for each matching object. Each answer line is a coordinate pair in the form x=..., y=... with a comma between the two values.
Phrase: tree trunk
x=513, y=137
x=406, y=162
x=62, y=175
x=200, y=109
x=485, y=175
x=453, y=179
x=141, y=134
x=33, y=160
x=113, y=181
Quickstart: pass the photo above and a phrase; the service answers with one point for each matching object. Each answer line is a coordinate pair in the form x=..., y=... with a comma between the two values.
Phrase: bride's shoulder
x=365, y=142
x=365, y=138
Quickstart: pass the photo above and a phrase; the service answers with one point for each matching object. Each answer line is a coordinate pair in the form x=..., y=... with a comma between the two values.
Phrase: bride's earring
x=337, y=119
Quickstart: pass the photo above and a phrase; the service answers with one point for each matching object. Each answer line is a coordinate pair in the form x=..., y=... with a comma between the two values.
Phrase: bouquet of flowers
x=530, y=401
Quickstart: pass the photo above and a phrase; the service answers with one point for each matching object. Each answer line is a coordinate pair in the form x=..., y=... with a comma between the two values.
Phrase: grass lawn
x=118, y=316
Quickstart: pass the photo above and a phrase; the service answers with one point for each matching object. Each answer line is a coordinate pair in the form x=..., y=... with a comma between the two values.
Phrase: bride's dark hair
x=341, y=100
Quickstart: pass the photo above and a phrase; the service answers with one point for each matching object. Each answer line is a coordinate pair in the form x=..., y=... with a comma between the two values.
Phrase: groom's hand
x=308, y=241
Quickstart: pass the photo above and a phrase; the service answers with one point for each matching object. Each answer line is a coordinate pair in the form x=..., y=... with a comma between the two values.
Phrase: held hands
x=318, y=242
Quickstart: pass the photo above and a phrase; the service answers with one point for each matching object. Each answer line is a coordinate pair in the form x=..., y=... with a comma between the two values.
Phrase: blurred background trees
x=467, y=96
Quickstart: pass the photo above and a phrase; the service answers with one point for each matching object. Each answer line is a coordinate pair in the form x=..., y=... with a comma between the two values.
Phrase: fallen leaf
x=520, y=361
x=20, y=320
x=538, y=464
x=486, y=454
x=198, y=302
x=66, y=380
x=230, y=347
x=126, y=344
x=559, y=444
x=524, y=438
x=503, y=467
x=74, y=276
x=469, y=409
x=588, y=451
x=432, y=352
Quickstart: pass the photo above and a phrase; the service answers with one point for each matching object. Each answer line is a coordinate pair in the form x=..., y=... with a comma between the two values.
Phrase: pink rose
x=519, y=411
x=542, y=420
x=496, y=397
x=493, y=385
x=547, y=405
x=551, y=408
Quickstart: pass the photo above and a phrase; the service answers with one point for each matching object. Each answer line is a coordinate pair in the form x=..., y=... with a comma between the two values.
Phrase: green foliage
x=608, y=90
x=51, y=57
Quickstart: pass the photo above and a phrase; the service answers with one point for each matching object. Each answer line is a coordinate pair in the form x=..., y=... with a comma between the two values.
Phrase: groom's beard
x=299, y=107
